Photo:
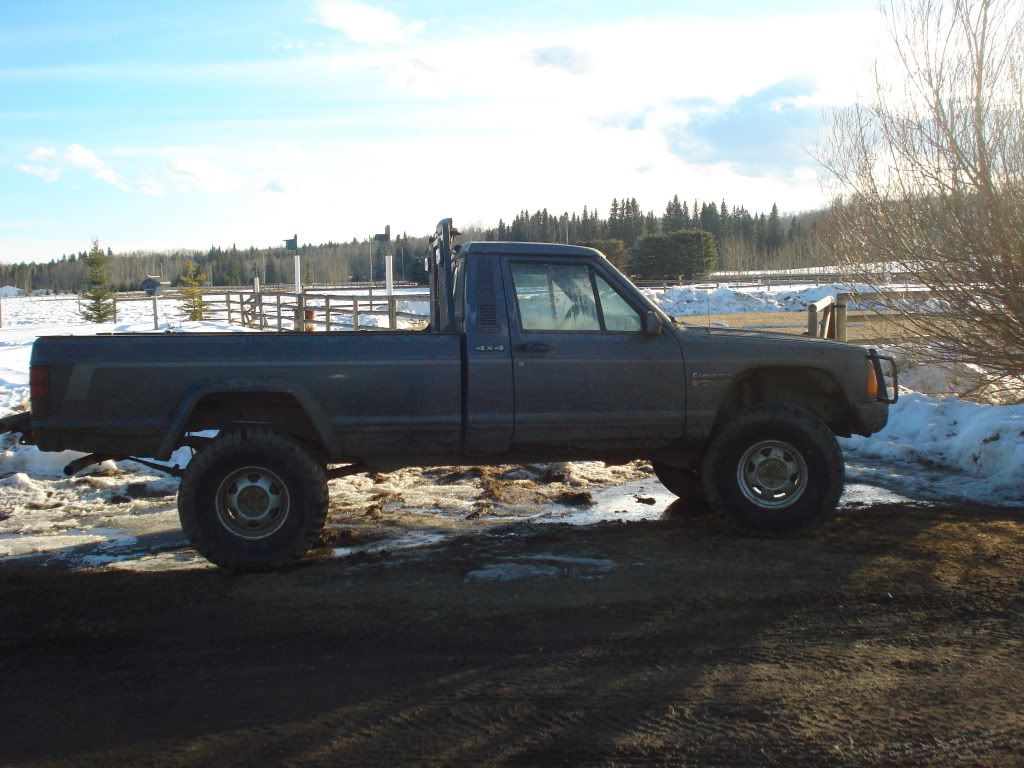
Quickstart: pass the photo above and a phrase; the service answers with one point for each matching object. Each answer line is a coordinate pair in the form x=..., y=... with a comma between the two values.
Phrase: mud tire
x=280, y=463
x=798, y=452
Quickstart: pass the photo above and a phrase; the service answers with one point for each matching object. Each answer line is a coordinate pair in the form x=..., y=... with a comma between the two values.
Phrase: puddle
x=638, y=500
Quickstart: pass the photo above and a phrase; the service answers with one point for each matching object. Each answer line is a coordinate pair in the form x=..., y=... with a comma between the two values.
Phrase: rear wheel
x=775, y=470
x=253, y=500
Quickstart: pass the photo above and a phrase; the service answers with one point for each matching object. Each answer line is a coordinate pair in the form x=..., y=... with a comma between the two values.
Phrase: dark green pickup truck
x=534, y=352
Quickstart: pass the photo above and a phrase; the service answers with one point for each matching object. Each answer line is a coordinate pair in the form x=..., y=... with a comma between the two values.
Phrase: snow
x=122, y=515
x=719, y=299
x=983, y=442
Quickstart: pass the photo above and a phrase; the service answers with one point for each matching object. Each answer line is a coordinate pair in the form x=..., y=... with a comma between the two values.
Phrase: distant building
x=9, y=290
x=154, y=286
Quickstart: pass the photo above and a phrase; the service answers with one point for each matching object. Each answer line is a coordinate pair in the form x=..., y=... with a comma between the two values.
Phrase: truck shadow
x=697, y=646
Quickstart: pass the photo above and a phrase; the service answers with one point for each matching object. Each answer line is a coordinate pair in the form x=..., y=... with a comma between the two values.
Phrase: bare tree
x=929, y=178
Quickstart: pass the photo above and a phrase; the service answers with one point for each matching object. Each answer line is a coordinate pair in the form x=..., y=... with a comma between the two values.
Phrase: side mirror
x=652, y=323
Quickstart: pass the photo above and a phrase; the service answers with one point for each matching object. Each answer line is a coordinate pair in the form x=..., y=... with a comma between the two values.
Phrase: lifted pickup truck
x=533, y=352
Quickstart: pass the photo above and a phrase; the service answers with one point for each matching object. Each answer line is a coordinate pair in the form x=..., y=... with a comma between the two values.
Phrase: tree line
x=730, y=237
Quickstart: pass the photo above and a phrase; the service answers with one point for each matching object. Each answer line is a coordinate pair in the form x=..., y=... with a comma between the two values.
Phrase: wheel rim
x=252, y=503
x=772, y=474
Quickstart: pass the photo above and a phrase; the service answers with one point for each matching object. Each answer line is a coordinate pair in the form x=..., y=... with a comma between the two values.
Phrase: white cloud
x=197, y=173
x=45, y=173
x=363, y=23
x=80, y=157
x=42, y=154
x=113, y=178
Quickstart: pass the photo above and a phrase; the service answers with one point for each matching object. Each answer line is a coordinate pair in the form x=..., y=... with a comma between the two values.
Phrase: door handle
x=534, y=347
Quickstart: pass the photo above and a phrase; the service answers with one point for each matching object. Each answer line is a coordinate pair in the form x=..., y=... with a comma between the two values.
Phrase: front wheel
x=253, y=500
x=775, y=470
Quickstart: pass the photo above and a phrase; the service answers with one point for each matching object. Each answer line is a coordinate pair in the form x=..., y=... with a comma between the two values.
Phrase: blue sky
x=159, y=125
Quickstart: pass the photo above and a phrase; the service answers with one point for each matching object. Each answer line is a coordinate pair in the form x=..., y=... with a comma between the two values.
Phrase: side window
x=618, y=315
x=555, y=297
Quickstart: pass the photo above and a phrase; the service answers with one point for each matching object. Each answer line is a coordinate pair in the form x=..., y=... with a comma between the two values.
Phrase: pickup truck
x=533, y=352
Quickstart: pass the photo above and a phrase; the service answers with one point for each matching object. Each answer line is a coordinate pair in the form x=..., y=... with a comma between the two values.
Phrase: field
x=863, y=327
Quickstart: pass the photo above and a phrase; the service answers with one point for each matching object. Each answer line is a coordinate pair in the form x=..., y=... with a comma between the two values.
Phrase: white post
x=156, y=320
x=298, y=273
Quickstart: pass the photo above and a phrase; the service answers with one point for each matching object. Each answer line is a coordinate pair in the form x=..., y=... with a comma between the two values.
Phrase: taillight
x=39, y=387
x=872, y=380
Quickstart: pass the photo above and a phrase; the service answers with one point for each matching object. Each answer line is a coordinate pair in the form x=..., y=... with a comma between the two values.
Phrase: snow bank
x=983, y=441
x=689, y=300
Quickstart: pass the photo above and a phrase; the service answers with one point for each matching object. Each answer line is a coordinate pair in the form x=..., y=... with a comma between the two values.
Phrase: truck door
x=585, y=373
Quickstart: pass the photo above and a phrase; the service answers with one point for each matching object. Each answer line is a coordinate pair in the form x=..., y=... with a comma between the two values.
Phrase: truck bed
x=364, y=393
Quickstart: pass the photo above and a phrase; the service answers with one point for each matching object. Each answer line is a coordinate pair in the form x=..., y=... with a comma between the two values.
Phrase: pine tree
x=773, y=235
x=191, y=281
x=99, y=306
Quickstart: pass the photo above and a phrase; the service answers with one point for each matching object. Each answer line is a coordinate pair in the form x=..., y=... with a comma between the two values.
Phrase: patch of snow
x=413, y=540
x=638, y=500
x=513, y=572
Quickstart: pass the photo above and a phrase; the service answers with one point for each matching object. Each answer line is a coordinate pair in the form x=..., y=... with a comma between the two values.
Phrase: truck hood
x=792, y=341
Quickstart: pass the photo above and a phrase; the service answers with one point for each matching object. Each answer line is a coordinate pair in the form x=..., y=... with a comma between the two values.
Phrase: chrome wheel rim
x=772, y=474
x=252, y=503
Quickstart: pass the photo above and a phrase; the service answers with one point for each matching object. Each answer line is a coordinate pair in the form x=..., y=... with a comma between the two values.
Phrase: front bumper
x=870, y=417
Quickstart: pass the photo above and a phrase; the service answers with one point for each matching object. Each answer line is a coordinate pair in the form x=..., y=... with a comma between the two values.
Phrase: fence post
x=259, y=309
x=327, y=314
x=300, y=312
x=389, y=284
x=227, y=296
x=280, y=327
x=812, y=320
x=115, y=309
x=841, y=299
x=355, y=314
x=156, y=317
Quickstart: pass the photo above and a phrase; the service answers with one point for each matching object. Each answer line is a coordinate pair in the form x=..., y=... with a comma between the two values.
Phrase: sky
x=184, y=125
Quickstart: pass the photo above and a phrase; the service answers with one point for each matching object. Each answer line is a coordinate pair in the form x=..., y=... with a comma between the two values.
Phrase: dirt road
x=893, y=636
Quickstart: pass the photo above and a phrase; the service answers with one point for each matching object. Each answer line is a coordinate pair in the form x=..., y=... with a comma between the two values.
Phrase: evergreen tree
x=687, y=253
x=773, y=234
x=99, y=306
x=191, y=281
x=676, y=216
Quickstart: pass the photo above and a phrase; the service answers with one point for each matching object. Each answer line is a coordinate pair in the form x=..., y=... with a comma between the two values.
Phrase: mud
x=892, y=636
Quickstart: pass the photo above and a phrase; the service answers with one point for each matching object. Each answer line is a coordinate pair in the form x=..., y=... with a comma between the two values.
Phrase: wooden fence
x=315, y=311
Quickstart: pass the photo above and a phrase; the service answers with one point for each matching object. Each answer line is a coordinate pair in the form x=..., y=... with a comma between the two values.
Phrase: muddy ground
x=892, y=636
